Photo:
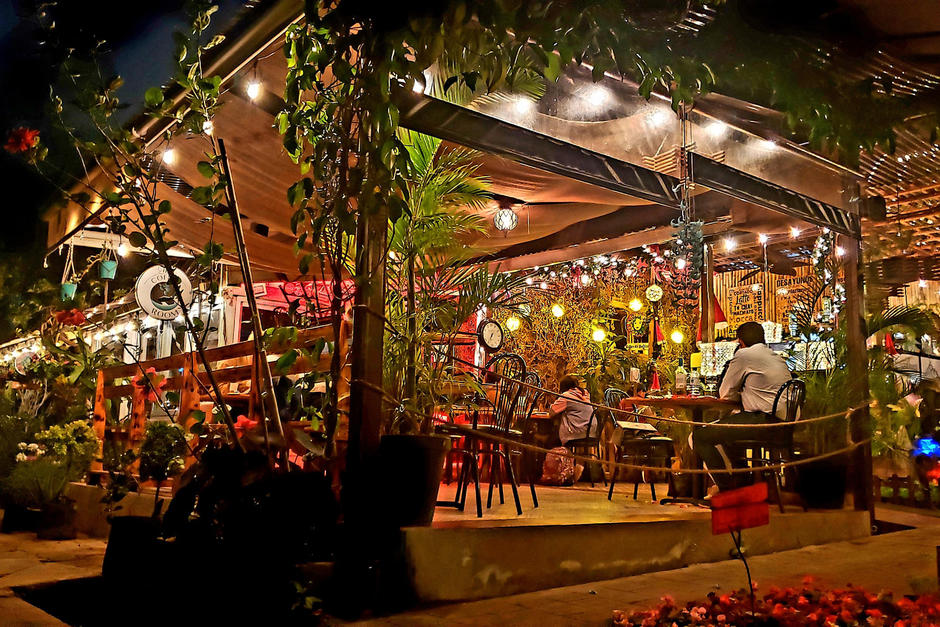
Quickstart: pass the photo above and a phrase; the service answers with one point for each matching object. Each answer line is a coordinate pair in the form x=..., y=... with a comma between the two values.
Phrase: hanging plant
x=107, y=268
x=69, y=280
x=688, y=245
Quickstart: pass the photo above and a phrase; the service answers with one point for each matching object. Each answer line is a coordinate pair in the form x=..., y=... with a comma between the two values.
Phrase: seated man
x=753, y=376
x=574, y=411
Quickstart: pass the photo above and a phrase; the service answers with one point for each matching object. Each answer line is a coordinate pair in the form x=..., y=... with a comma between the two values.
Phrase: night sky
x=139, y=36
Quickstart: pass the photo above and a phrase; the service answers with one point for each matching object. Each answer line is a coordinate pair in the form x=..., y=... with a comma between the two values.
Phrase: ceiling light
x=528, y=280
x=635, y=305
x=122, y=249
x=597, y=95
x=794, y=231
x=680, y=263
x=730, y=244
x=762, y=238
x=253, y=90
x=716, y=129
x=839, y=251
x=557, y=310
x=543, y=285
x=169, y=156
x=505, y=220
x=677, y=336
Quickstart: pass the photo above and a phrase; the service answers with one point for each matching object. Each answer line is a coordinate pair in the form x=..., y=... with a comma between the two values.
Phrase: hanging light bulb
x=794, y=232
x=922, y=283
x=677, y=336
x=557, y=310
x=598, y=334
x=505, y=219
x=543, y=285
x=169, y=156
x=208, y=127
x=513, y=323
x=586, y=279
x=528, y=280
x=839, y=251
x=762, y=238
x=680, y=263
x=635, y=305
x=253, y=89
x=730, y=244
x=122, y=249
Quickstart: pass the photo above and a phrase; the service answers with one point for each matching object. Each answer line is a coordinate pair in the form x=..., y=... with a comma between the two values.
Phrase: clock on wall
x=490, y=335
x=654, y=293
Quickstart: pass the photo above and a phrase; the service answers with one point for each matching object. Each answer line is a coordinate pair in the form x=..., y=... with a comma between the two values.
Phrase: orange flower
x=150, y=381
x=21, y=139
x=72, y=317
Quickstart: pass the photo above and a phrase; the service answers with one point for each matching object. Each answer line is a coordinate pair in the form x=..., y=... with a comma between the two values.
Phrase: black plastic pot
x=132, y=546
x=823, y=483
x=18, y=518
x=416, y=463
x=57, y=521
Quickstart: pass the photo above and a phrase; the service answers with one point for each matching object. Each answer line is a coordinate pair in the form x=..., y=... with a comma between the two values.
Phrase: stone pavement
x=26, y=560
x=903, y=562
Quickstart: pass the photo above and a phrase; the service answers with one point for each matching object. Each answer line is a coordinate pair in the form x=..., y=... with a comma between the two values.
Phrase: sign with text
x=746, y=304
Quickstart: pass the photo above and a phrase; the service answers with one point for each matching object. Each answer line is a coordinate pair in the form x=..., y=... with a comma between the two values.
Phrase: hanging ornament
x=505, y=219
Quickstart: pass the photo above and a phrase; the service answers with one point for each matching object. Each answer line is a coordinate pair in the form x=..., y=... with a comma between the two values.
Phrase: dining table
x=696, y=406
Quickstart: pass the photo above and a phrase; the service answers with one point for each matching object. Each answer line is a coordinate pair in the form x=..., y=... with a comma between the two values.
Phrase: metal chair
x=519, y=429
x=510, y=371
x=777, y=447
x=642, y=448
x=590, y=445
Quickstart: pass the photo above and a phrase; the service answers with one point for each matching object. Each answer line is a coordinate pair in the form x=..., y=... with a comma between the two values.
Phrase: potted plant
x=34, y=499
x=134, y=539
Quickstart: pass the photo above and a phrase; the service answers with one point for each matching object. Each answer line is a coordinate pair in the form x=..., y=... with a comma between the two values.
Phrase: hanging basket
x=107, y=269
x=67, y=291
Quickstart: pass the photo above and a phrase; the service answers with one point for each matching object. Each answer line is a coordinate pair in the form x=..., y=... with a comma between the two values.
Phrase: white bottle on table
x=681, y=379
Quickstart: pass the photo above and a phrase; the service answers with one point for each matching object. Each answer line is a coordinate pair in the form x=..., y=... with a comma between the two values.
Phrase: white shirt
x=574, y=420
x=754, y=376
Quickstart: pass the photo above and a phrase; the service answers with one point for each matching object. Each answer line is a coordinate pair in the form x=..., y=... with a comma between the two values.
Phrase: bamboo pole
x=261, y=356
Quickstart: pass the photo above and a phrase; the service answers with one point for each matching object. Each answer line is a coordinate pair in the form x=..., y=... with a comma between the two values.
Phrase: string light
x=839, y=251
x=599, y=334
x=586, y=279
x=543, y=285
x=730, y=244
x=253, y=89
x=528, y=280
x=680, y=263
x=122, y=249
x=762, y=238
x=794, y=232
x=208, y=127
x=169, y=156
x=677, y=336
x=922, y=283
x=635, y=305
x=557, y=310
x=513, y=323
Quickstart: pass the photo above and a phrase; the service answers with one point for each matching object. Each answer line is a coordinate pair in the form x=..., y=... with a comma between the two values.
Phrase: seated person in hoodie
x=574, y=410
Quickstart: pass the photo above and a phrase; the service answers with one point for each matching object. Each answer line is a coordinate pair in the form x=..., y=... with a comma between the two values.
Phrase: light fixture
x=635, y=305
x=716, y=129
x=513, y=323
x=253, y=89
x=680, y=263
x=208, y=127
x=557, y=310
x=122, y=249
x=654, y=293
x=762, y=238
x=922, y=283
x=794, y=231
x=598, y=334
x=596, y=95
x=839, y=251
x=528, y=280
x=586, y=279
x=523, y=106
x=677, y=336
x=505, y=219
x=169, y=156
x=543, y=285
x=767, y=144
x=730, y=244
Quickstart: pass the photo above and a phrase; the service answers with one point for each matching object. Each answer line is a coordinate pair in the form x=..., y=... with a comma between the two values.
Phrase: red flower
x=21, y=139
x=150, y=381
x=244, y=424
x=72, y=317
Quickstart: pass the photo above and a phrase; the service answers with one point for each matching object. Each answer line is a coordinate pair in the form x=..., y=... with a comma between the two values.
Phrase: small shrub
x=74, y=444
x=35, y=483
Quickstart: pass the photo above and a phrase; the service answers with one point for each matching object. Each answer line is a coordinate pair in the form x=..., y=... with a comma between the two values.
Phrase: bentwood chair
x=510, y=371
x=777, y=446
x=589, y=445
x=520, y=429
x=640, y=447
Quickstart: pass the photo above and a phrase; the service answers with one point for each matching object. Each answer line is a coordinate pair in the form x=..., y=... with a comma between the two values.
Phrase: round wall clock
x=654, y=293
x=490, y=335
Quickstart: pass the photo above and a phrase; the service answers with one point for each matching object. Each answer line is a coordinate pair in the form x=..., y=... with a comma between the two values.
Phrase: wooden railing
x=184, y=373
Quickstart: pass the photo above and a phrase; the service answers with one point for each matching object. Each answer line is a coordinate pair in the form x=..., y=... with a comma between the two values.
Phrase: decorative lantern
x=505, y=219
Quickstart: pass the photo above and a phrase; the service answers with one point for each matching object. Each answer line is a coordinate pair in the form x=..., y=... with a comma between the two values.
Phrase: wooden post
x=99, y=421
x=189, y=400
x=857, y=358
x=138, y=424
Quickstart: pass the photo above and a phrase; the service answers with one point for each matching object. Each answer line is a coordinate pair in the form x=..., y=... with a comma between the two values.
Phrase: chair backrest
x=511, y=370
x=528, y=400
x=612, y=398
x=792, y=394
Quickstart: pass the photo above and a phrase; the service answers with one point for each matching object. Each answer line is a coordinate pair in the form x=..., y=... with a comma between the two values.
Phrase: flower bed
x=787, y=607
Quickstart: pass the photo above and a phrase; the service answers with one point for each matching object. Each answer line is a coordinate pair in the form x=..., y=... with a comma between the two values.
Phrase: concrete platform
x=578, y=536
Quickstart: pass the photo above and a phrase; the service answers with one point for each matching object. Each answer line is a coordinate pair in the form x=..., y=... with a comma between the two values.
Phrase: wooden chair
x=641, y=447
x=589, y=445
x=777, y=447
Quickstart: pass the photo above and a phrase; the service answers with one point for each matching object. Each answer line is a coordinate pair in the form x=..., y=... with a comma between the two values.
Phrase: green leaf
x=153, y=97
x=137, y=239
x=205, y=168
x=285, y=361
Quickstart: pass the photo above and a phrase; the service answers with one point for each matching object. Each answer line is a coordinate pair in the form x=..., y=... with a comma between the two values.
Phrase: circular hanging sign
x=654, y=293
x=155, y=295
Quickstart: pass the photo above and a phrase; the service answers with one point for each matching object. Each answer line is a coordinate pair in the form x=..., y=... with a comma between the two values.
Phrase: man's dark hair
x=751, y=333
x=568, y=382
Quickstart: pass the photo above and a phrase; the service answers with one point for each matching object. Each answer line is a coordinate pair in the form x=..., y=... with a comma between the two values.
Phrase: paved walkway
x=26, y=560
x=903, y=562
